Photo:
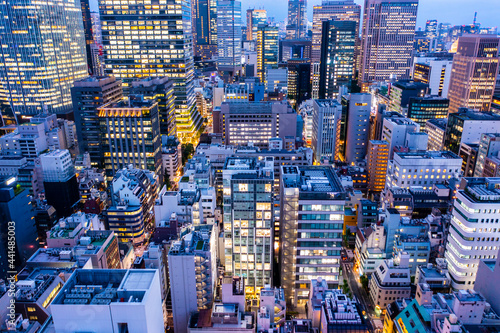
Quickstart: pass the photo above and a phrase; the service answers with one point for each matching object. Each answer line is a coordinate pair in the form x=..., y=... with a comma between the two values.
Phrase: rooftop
x=238, y=163
x=327, y=103
x=468, y=114
x=312, y=179
x=428, y=155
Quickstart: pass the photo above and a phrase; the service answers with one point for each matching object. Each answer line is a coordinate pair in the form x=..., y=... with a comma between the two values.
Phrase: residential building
x=229, y=36
x=138, y=143
x=434, y=71
x=29, y=140
x=161, y=91
x=254, y=122
x=276, y=79
x=297, y=19
x=133, y=195
x=121, y=300
x=172, y=35
x=411, y=238
x=312, y=208
x=192, y=268
x=422, y=109
x=345, y=10
x=88, y=95
x=337, y=61
x=222, y=317
x=384, y=58
x=402, y=91
x=272, y=310
x=248, y=219
x=435, y=129
x=370, y=248
x=35, y=85
x=474, y=72
x=367, y=213
x=326, y=120
x=357, y=127
x=185, y=204
x=390, y=281
x=376, y=160
x=487, y=272
x=468, y=242
x=267, y=50
x=435, y=276
x=466, y=126
x=170, y=153
x=422, y=169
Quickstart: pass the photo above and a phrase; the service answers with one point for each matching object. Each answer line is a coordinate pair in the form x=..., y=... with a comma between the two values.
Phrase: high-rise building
x=387, y=40
x=229, y=36
x=255, y=17
x=332, y=10
x=131, y=135
x=159, y=45
x=474, y=72
x=478, y=201
x=376, y=160
x=395, y=131
x=249, y=220
x=204, y=22
x=192, y=268
x=431, y=29
x=160, y=90
x=357, y=127
x=88, y=95
x=435, y=129
x=326, y=118
x=422, y=109
x=297, y=19
x=434, y=71
x=337, y=64
x=294, y=49
x=489, y=146
x=267, y=50
x=93, y=61
x=400, y=94
x=41, y=62
x=312, y=212
x=298, y=80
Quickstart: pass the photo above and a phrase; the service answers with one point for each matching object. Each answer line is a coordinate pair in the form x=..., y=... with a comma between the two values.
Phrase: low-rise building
x=435, y=276
x=272, y=310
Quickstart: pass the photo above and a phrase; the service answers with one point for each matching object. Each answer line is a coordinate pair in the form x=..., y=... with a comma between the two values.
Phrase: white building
x=435, y=72
x=57, y=166
x=436, y=129
x=272, y=310
x=422, y=169
x=474, y=233
x=325, y=138
x=29, y=140
x=192, y=267
x=395, y=130
x=109, y=300
x=186, y=204
x=9, y=165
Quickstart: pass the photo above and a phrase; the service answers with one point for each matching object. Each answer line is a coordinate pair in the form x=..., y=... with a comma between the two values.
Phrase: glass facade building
x=229, y=35
x=297, y=19
x=267, y=50
x=42, y=54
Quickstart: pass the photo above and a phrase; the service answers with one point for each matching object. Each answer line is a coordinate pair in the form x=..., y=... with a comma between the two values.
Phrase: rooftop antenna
x=475, y=16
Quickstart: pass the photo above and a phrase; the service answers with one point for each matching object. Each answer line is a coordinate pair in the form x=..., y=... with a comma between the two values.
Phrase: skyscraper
x=431, y=30
x=325, y=141
x=229, y=36
x=40, y=63
x=474, y=71
x=204, y=18
x=387, y=40
x=337, y=57
x=255, y=17
x=138, y=46
x=298, y=80
x=358, y=127
x=332, y=10
x=297, y=19
x=267, y=49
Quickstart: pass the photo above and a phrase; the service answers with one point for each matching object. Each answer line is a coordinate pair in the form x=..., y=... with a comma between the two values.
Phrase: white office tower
x=325, y=140
x=474, y=231
x=193, y=271
x=229, y=36
x=312, y=213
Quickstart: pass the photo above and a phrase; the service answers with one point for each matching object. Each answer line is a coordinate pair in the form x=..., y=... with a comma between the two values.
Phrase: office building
x=298, y=81
x=88, y=95
x=133, y=195
x=435, y=129
x=337, y=61
x=160, y=90
x=120, y=300
x=131, y=135
x=474, y=72
x=192, y=268
x=422, y=169
x=31, y=80
x=466, y=126
x=332, y=10
x=422, y=109
x=229, y=36
x=276, y=80
x=204, y=23
x=254, y=122
x=395, y=131
x=358, y=127
x=297, y=19
x=377, y=159
x=325, y=141
x=169, y=53
x=434, y=71
x=402, y=91
x=267, y=50
x=312, y=208
x=248, y=219
x=255, y=17
x=472, y=236
x=489, y=146
x=383, y=56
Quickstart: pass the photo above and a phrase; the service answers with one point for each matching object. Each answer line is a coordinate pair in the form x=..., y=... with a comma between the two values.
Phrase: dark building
x=161, y=90
x=468, y=153
x=62, y=195
x=299, y=80
x=45, y=218
x=89, y=36
x=495, y=104
x=87, y=95
x=402, y=91
x=294, y=49
x=367, y=213
x=204, y=23
x=337, y=68
x=421, y=109
x=16, y=219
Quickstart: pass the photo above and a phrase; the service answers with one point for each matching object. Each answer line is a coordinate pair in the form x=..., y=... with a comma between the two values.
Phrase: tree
x=166, y=180
x=187, y=152
x=364, y=281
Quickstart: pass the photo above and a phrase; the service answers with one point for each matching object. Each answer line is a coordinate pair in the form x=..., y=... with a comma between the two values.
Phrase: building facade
x=229, y=36
x=326, y=119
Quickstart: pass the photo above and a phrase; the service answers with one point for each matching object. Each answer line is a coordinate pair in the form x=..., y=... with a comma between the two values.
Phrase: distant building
x=229, y=36
x=402, y=91
x=434, y=71
x=297, y=19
